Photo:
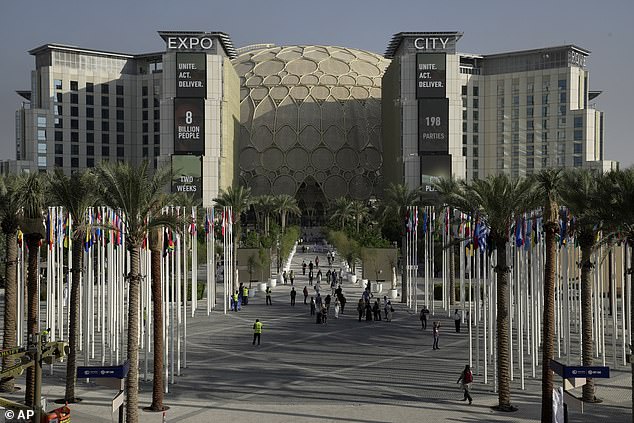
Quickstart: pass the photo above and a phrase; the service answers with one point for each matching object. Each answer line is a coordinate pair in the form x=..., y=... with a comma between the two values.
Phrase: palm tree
x=263, y=206
x=341, y=211
x=138, y=197
x=76, y=195
x=31, y=193
x=548, y=185
x=10, y=209
x=286, y=205
x=582, y=197
x=239, y=199
x=617, y=214
x=397, y=198
x=497, y=200
x=360, y=212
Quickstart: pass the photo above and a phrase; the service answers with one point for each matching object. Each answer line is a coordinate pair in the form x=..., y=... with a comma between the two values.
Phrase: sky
x=603, y=27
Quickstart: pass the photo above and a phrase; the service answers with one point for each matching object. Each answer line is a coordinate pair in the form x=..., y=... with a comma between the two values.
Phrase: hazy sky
x=603, y=27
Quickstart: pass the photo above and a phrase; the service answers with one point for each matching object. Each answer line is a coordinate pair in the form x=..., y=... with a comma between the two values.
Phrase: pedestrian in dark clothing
x=361, y=308
x=342, y=301
x=466, y=378
x=423, y=317
x=257, y=331
x=268, y=296
x=284, y=277
x=327, y=303
x=376, y=310
x=292, y=277
x=310, y=266
x=318, y=317
x=435, y=334
x=293, y=294
x=456, y=319
x=312, y=306
x=305, y=294
x=317, y=261
x=303, y=267
x=310, y=277
x=368, y=312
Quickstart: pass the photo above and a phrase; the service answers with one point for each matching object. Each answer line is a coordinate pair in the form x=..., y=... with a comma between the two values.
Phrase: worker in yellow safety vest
x=235, y=301
x=257, y=331
x=245, y=295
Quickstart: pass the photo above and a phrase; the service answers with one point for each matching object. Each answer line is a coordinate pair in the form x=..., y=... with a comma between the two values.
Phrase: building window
x=562, y=84
x=59, y=122
x=120, y=151
x=578, y=135
x=464, y=127
x=144, y=90
x=515, y=112
x=464, y=139
x=530, y=100
x=145, y=152
x=105, y=125
x=90, y=150
x=120, y=115
x=105, y=138
x=530, y=125
x=476, y=127
x=476, y=103
x=545, y=124
x=120, y=139
x=464, y=114
x=530, y=163
x=90, y=137
x=41, y=148
x=529, y=112
x=578, y=122
x=58, y=110
x=105, y=113
x=464, y=151
x=59, y=97
x=562, y=97
x=74, y=149
x=119, y=89
x=475, y=139
x=476, y=115
x=74, y=111
x=74, y=137
x=59, y=161
x=74, y=98
x=530, y=137
x=90, y=100
x=561, y=122
x=105, y=150
x=145, y=127
x=105, y=89
x=157, y=151
x=145, y=115
x=476, y=91
x=90, y=162
x=105, y=101
x=544, y=149
x=530, y=150
x=41, y=161
x=90, y=125
x=546, y=84
x=561, y=135
x=74, y=124
x=544, y=98
x=157, y=102
x=145, y=139
x=475, y=151
x=58, y=84
x=578, y=148
x=157, y=126
x=545, y=111
x=157, y=114
x=144, y=103
x=577, y=161
x=119, y=101
x=90, y=87
x=74, y=86
x=59, y=136
x=41, y=134
x=463, y=90
x=157, y=138
x=59, y=148
x=41, y=121
x=562, y=110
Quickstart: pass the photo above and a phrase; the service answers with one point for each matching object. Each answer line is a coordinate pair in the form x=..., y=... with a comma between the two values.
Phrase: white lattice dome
x=310, y=119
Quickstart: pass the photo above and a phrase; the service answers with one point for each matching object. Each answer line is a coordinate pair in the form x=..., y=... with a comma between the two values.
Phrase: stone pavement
x=345, y=371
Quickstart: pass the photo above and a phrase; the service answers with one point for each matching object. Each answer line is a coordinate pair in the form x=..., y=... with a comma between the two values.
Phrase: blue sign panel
x=115, y=372
x=594, y=372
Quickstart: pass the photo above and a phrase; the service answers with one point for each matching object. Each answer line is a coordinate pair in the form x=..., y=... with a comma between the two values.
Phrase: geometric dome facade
x=310, y=122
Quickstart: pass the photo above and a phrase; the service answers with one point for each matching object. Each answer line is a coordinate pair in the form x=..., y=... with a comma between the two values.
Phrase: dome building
x=310, y=122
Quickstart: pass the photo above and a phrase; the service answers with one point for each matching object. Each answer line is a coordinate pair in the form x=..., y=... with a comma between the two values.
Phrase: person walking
x=319, y=276
x=245, y=295
x=435, y=333
x=304, y=267
x=327, y=303
x=423, y=317
x=310, y=266
x=376, y=310
x=385, y=301
x=305, y=293
x=292, y=277
x=284, y=277
x=293, y=294
x=310, y=277
x=317, y=261
x=388, y=311
x=312, y=306
x=337, y=308
x=324, y=314
x=456, y=319
x=361, y=308
x=257, y=331
x=342, y=300
x=368, y=312
x=235, y=301
x=268, y=296
x=466, y=378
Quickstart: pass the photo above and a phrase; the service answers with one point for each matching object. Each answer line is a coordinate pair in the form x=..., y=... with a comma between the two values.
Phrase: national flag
x=20, y=238
x=519, y=240
x=207, y=224
x=224, y=221
x=425, y=221
x=408, y=221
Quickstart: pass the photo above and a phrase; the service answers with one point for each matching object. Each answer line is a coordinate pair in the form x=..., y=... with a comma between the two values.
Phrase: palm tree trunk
x=32, y=241
x=586, y=318
x=157, y=320
x=10, y=306
x=548, y=329
x=504, y=367
x=283, y=221
x=132, y=382
x=73, y=331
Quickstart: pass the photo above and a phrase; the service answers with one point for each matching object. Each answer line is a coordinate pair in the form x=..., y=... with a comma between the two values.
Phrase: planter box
x=272, y=283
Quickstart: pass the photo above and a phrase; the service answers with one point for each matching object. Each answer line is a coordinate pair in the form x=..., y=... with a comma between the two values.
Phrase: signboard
x=593, y=372
x=187, y=175
x=116, y=372
x=431, y=75
x=188, y=42
x=433, y=125
x=189, y=126
x=433, y=168
x=191, y=75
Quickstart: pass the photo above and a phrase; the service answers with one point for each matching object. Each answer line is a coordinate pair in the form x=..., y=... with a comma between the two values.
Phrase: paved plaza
x=345, y=371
